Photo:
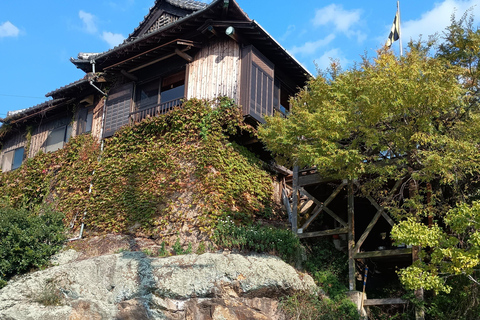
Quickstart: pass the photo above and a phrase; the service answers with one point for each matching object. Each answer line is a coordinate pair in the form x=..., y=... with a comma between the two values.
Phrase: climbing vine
x=168, y=172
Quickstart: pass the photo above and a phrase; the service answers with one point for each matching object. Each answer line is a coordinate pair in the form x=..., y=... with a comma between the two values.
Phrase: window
x=281, y=97
x=57, y=138
x=13, y=159
x=85, y=120
x=160, y=91
x=147, y=95
x=173, y=87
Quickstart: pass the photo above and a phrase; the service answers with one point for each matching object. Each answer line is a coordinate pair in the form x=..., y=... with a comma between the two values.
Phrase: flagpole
x=399, y=29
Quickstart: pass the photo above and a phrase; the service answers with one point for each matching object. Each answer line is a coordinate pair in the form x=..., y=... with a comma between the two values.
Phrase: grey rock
x=130, y=285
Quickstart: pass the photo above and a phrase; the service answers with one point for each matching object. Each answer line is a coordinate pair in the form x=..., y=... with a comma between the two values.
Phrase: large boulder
x=131, y=285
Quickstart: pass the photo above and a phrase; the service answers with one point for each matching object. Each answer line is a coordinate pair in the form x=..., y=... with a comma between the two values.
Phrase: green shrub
x=463, y=302
x=28, y=239
x=307, y=306
x=328, y=266
x=257, y=238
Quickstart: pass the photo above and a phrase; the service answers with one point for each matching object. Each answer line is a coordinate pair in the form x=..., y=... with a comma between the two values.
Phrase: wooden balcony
x=162, y=108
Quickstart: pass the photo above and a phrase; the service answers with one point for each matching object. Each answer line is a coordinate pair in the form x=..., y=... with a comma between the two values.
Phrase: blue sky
x=37, y=38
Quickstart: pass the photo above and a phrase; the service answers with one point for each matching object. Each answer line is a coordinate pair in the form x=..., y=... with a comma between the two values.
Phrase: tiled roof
x=12, y=115
x=196, y=6
x=187, y=4
x=182, y=4
x=68, y=86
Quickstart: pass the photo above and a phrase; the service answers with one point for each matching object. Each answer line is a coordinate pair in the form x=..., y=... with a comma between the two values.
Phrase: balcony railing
x=162, y=108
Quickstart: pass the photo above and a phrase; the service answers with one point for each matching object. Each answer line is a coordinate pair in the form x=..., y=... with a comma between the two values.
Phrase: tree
x=407, y=119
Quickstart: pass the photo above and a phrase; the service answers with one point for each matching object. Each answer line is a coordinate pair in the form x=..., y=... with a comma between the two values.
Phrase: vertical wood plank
x=295, y=199
x=419, y=311
x=351, y=238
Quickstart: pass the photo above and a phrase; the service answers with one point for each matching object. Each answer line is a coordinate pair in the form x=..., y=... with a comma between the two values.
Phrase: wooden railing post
x=295, y=199
x=419, y=310
x=351, y=238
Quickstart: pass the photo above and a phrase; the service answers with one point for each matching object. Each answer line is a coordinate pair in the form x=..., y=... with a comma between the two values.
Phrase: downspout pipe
x=82, y=227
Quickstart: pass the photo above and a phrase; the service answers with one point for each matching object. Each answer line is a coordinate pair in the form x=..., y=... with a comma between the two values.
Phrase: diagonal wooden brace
x=321, y=205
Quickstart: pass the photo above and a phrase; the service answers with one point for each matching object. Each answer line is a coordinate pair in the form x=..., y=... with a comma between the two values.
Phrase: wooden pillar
x=351, y=238
x=295, y=199
x=419, y=311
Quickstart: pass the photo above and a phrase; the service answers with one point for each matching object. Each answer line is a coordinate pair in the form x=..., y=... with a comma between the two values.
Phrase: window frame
x=12, y=156
x=66, y=131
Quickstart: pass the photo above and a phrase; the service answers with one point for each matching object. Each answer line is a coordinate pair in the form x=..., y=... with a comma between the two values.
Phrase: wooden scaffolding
x=298, y=201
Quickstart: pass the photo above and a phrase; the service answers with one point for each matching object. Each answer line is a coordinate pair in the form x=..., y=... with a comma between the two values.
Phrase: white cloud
x=326, y=59
x=113, y=39
x=7, y=29
x=341, y=19
x=291, y=28
x=437, y=19
x=89, y=21
x=311, y=47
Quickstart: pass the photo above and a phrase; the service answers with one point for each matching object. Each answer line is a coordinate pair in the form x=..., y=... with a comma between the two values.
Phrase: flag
x=395, y=31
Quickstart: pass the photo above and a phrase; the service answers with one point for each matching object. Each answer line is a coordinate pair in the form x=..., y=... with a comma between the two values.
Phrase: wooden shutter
x=81, y=123
x=117, y=109
x=7, y=161
x=257, y=84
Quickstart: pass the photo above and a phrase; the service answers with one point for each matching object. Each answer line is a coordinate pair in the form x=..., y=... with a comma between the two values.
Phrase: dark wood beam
x=383, y=253
x=322, y=233
x=351, y=238
x=311, y=179
x=380, y=302
x=322, y=205
x=377, y=215
x=183, y=55
x=295, y=199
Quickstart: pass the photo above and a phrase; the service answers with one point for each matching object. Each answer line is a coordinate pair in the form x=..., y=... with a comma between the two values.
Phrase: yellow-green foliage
x=151, y=174
x=411, y=122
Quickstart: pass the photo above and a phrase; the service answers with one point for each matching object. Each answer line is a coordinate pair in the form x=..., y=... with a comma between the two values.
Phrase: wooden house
x=182, y=49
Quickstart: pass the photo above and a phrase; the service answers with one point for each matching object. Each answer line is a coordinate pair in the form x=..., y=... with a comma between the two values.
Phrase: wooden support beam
x=310, y=179
x=212, y=30
x=183, y=55
x=351, y=238
x=322, y=205
x=334, y=216
x=230, y=31
x=419, y=310
x=380, y=211
x=380, y=302
x=286, y=203
x=129, y=75
x=306, y=206
x=367, y=230
x=322, y=233
x=377, y=206
x=383, y=253
x=295, y=199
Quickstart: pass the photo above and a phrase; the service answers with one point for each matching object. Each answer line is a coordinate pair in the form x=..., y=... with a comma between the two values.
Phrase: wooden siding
x=17, y=141
x=215, y=71
x=40, y=135
x=97, y=118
